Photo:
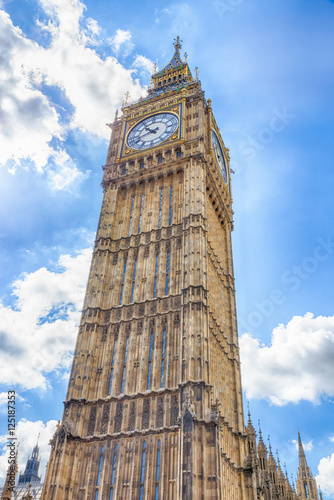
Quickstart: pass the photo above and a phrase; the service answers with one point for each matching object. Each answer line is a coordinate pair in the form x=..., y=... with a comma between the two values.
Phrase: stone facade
x=154, y=404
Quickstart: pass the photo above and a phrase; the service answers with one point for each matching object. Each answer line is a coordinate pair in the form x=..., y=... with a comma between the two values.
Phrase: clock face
x=219, y=156
x=152, y=131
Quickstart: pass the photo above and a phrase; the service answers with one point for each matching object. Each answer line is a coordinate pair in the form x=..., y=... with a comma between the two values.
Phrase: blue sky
x=268, y=68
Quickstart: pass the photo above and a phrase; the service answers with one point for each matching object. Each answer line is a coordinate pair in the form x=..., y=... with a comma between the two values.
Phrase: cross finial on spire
x=127, y=95
x=196, y=73
x=185, y=55
x=177, y=43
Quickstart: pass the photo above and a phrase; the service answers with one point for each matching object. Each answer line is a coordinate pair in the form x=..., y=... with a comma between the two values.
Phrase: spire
x=176, y=59
x=280, y=475
x=261, y=447
x=30, y=474
x=251, y=434
x=302, y=457
x=250, y=428
x=262, y=451
x=174, y=76
x=306, y=484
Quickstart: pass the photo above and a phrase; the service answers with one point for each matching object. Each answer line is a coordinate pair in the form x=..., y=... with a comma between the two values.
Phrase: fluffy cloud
x=298, y=365
x=325, y=478
x=120, y=38
x=142, y=63
x=46, y=314
x=27, y=434
x=28, y=120
x=34, y=127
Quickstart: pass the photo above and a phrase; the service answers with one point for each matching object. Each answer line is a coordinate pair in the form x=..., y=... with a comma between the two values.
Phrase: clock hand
x=154, y=131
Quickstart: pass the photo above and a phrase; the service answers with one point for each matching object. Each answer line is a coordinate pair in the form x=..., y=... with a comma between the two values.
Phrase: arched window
x=163, y=354
x=160, y=207
x=124, y=365
x=170, y=205
x=157, y=473
x=112, y=367
x=142, y=472
x=141, y=212
x=156, y=275
x=122, y=286
x=167, y=273
x=99, y=473
x=149, y=371
x=131, y=214
x=133, y=279
x=113, y=474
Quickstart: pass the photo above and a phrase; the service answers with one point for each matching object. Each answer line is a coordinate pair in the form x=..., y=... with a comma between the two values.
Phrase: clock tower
x=154, y=404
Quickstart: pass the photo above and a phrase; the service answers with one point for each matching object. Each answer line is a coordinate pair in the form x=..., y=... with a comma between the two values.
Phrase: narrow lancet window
x=160, y=207
x=125, y=360
x=142, y=472
x=112, y=367
x=149, y=372
x=131, y=214
x=157, y=472
x=100, y=468
x=122, y=286
x=170, y=205
x=167, y=274
x=163, y=354
x=133, y=279
x=141, y=212
x=112, y=482
x=156, y=275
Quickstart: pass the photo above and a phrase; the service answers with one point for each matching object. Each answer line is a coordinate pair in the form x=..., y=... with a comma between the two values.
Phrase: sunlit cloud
x=298, y=365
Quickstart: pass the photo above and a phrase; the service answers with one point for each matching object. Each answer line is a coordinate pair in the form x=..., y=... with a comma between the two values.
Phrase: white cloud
x=120, y=38
x=325, y=478
x=33, y=127
x=28, y=121
x=142, y=62
x=331, y=439
x=298, y=365
x=27, y=434
x=46, y=314
x=64, y=172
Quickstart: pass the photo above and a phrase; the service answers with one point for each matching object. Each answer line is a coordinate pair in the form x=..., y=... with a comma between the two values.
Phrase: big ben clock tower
x=154, y=405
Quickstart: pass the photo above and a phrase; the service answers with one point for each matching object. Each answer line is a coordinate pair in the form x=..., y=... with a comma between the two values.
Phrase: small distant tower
x=31, y=471
x=306, y=485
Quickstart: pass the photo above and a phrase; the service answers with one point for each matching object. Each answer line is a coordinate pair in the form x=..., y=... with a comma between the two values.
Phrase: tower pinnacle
x=177, y=43
x=306, y=485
